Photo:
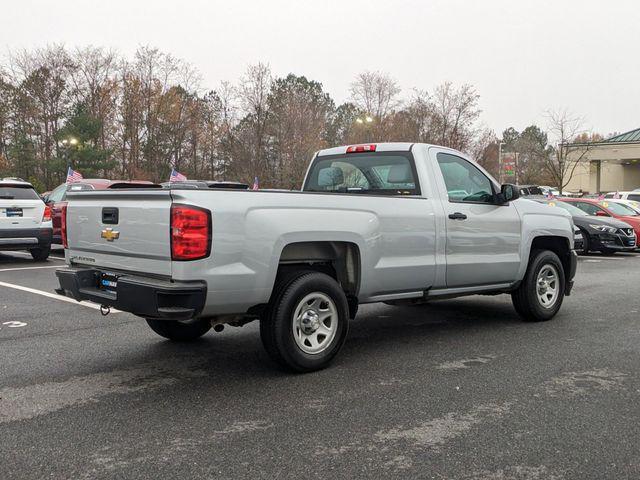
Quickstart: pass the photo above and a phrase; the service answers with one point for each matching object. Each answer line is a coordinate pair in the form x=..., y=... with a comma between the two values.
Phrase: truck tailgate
x=121, y=230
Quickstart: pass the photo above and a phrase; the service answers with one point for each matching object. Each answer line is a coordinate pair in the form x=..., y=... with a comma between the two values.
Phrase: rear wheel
x=540, y=295
x=180, y=330
x=40, y=254
x=306, y=323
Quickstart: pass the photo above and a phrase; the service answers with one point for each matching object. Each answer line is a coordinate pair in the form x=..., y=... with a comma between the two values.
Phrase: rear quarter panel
x=395, y=237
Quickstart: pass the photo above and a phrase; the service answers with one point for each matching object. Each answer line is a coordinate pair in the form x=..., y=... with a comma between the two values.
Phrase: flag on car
x=73, y=176
x=255, y=185
x=176, y=176
x=601, y=197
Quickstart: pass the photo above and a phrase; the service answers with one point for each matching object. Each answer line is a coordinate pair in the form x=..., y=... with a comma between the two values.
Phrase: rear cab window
x=373, y=173
x=18, y=192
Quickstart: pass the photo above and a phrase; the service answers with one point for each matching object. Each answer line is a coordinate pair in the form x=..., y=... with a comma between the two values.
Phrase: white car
x=635, y=196
x=629, y=203
x=25, y=221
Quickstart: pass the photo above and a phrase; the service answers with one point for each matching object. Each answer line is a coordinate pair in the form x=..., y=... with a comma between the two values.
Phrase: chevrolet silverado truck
x=388, y=222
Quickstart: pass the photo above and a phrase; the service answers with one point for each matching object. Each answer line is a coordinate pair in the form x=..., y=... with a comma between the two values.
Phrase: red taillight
x=46, y=216
x=190, y=232
x=63, y=226
x=361, y=148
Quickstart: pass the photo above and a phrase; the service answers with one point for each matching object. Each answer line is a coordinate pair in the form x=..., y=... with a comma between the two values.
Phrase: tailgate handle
x=110, y=215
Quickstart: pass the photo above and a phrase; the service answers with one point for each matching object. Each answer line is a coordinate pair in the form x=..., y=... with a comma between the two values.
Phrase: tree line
x=137, y=118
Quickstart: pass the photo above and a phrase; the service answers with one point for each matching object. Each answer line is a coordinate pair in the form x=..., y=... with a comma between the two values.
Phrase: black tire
x=179, y=331
x=585, y=243
x=40, y=254
x=525, y=297
x=277, y=324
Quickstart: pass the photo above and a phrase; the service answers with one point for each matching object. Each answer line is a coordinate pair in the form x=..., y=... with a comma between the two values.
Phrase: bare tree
x=455, y=112
x=563, y=158
x=375, y=93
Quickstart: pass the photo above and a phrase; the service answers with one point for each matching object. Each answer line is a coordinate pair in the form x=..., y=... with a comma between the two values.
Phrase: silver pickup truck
x=387, y=222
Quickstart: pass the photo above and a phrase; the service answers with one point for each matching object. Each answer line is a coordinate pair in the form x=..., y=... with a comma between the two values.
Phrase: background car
x=25, y=221
x=196, y=184
x=629, y=203
x=605, y=208
x=528, y=190
x=634, y=195
x=607, y=235
x=547, y=190
x=57, y=199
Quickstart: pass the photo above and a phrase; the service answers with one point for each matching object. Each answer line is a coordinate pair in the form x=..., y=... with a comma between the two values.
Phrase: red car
x=57, y=199
x=604, y=208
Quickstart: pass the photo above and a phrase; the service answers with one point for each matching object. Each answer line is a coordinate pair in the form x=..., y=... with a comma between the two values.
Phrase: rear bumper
x=142, y=296
x=25, y=238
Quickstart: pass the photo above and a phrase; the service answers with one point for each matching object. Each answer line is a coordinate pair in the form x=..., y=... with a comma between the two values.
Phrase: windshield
x=574, y=211
x=18, y=193
x=619, y=208
x=381, y=173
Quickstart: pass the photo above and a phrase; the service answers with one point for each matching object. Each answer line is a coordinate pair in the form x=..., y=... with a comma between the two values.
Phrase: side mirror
x=508, y=192
x=601, y=213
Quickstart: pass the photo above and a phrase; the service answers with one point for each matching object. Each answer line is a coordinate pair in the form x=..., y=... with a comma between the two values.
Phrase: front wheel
x=306, y=323
x=540, y=295
x=585, y=243
x=180, y=330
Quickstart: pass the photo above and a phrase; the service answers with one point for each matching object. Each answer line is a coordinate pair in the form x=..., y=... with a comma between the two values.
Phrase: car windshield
x=574, y=211
x=619, y=208
x=16, y=192
x=381, y=173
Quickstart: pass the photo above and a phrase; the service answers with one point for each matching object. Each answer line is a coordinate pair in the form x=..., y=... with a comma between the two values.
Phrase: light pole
x=500, y=177
x=367, y=120
x=66, y=143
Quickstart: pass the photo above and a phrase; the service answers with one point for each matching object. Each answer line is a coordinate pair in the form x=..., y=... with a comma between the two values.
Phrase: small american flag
x=73, y=176
x=255, y=185
x=176, y=176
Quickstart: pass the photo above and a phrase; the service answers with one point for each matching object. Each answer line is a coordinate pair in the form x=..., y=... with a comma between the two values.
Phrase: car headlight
x=604, y=228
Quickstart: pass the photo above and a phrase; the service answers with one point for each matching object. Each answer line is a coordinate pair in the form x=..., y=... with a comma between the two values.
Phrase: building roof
x=632, y=136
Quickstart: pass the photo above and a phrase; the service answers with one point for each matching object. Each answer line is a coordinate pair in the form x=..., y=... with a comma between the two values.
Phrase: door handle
x=457, y=216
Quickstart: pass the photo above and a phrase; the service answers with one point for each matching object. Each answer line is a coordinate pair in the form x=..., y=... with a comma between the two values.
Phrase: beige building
x=609, y=165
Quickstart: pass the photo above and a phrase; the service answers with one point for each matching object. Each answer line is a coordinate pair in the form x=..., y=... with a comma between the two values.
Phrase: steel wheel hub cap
x=548, y=286
x=315, y=323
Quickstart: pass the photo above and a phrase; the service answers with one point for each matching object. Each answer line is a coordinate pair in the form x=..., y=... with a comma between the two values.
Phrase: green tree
x=85, y=156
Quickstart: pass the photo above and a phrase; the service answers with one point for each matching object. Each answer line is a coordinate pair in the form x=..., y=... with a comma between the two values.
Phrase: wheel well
x=340, y=260
x=559, y=245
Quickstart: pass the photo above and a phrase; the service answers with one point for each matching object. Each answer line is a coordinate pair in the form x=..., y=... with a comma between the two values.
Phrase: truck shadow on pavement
x=378, y=331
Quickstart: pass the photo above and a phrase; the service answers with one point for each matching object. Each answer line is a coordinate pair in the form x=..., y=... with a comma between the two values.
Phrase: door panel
x=483, y=239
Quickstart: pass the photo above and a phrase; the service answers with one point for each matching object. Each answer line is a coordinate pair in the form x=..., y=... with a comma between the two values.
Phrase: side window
x=634, y=196
x=464, y=181
x=588, y=208
x=58, y=194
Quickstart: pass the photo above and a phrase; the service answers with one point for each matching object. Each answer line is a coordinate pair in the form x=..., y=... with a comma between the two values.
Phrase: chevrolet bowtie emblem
x=110, y=234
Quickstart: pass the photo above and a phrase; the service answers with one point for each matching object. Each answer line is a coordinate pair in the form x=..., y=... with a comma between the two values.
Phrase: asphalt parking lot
x=458, y=389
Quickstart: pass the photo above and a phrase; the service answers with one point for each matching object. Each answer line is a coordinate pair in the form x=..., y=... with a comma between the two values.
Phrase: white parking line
x=27, y=268
x=9, y=253
x=55, y=296
x=607, y=258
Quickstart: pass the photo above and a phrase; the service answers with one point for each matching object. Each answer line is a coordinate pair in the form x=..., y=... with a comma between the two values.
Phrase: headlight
x=604, y=228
